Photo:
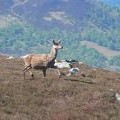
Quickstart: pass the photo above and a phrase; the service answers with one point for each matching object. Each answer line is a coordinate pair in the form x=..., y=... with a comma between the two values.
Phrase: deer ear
x=59, y=41
x=53, y=41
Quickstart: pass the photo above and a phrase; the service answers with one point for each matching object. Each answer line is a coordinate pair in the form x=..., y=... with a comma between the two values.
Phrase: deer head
x=57, y=45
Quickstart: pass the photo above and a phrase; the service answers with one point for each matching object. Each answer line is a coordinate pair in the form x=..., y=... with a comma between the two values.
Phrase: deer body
x=42, y=61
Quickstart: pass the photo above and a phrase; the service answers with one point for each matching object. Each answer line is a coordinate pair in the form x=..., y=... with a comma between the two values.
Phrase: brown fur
x=41, y=61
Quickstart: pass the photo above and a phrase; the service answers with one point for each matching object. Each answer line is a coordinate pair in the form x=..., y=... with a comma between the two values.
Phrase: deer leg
x=44, y=73
x=27, y=69
x=24, y=71
x=31, y=74
x=59, y=73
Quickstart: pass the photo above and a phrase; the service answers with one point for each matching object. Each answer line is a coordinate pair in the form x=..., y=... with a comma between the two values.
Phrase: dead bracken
x=88, y=95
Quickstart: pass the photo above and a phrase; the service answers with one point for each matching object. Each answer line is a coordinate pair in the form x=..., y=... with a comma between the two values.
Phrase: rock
x=117, y=97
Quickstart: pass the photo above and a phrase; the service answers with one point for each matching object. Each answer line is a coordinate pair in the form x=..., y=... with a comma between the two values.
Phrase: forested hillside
x=28, y=26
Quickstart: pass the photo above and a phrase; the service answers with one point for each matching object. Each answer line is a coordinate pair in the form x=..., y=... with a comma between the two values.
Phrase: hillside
x=59, y=13
x=48, y=14
x=92, y=96
x=103, y=50
x=28, y=26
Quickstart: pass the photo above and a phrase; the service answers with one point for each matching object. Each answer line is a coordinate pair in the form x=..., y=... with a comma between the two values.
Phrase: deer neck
x=53, y=53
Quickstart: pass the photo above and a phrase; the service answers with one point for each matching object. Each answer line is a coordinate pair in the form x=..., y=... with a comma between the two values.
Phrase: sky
x=112, y=2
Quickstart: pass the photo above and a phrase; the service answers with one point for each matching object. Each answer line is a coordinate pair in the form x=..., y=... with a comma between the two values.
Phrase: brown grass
x=88, y=97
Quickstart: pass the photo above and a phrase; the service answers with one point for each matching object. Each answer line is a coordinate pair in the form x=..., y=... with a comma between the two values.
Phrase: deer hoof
x=44, y=77
x=32, y=77
x=59, y=76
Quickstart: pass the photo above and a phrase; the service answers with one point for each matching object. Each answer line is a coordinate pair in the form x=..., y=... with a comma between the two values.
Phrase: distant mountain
x=65, y=14
x=48, y=14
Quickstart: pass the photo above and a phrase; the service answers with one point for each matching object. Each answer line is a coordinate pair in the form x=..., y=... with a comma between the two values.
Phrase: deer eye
x=56, y=44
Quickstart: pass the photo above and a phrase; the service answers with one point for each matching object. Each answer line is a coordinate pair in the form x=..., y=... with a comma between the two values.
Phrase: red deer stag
x=42, y=61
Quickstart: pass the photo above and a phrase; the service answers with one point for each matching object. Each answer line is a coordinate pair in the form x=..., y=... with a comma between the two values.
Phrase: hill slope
x=53, y=98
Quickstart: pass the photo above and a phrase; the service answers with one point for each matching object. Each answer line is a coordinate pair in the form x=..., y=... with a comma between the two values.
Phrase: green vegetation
x=18, y=41
x=103, y=28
